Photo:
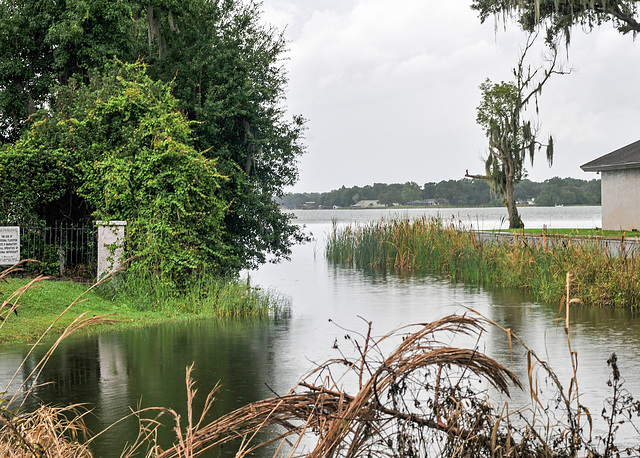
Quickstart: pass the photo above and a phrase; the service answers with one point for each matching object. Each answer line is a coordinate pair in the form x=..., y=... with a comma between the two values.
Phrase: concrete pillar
x=110, y=245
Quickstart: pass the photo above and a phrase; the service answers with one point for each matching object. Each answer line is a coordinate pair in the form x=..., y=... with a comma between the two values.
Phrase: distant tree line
x=459, y=193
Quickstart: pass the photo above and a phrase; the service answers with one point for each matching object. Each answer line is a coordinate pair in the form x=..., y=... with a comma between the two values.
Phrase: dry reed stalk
x=48, y=431
x=382, y=416
x=415, y=402
x=418, y=351
x=77, y=324
x=573, y=408
x=287, y=411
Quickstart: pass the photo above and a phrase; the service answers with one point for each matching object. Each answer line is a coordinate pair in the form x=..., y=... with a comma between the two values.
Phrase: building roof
x=627, y=157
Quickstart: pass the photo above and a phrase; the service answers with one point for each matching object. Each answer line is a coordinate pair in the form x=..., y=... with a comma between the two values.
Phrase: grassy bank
x=431, y=245
x=582, y=232
x=134, y=303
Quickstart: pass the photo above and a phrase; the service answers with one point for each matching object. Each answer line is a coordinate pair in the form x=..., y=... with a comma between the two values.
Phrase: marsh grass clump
x=47, y=431
x=602, y=275
x=205, y=295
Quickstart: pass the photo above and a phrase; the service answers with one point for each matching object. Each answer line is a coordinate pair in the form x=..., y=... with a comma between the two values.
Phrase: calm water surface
x=114, y=372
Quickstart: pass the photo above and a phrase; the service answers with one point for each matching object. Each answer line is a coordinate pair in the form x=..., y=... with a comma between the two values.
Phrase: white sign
x=9, y=245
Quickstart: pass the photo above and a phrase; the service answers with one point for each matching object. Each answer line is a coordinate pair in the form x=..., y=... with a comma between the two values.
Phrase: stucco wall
x=621, y=199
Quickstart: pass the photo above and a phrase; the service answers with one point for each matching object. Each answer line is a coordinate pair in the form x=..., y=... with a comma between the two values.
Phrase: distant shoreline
x=401, y=207
x=450, y=193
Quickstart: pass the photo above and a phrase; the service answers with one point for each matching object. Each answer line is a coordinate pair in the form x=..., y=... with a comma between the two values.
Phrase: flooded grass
x=425, y=244
x=134, y=302
x=42, y=308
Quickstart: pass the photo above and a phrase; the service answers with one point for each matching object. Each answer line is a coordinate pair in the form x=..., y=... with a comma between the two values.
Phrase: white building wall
x=621, y=199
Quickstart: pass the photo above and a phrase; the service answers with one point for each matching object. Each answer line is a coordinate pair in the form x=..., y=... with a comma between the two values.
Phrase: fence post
x=110, y=240
x=62, y=246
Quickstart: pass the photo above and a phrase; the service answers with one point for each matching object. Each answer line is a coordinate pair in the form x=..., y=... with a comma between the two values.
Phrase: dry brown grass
x=421, y=400
x=46, y=432
x=416, y=399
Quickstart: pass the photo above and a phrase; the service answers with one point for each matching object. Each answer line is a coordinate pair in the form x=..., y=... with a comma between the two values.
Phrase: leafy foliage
x=119, y=146
x=411, y=191
x=235, y=93
x=44, y=43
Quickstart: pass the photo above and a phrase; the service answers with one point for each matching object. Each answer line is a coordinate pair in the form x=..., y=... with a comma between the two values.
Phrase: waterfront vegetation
x=423, y=396
x=135, y=302
x=600, y=277
x=174, y=121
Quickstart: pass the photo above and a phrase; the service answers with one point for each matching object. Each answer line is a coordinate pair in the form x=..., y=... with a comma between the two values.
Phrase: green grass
x=132, y=304
x=431, y=245
x=573, y=232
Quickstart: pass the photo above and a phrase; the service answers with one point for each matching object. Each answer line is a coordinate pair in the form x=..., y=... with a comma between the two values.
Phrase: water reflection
x=114, y=372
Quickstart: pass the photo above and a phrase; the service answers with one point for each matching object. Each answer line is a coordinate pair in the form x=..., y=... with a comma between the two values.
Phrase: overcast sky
x=390, y=89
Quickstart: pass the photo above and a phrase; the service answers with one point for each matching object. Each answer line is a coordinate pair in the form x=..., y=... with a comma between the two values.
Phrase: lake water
x=114, y=372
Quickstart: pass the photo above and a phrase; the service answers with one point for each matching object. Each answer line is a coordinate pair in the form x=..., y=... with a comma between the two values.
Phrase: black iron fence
x=62, y=250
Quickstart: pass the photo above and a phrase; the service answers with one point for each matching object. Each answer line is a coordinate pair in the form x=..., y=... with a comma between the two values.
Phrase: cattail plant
x=539, y=265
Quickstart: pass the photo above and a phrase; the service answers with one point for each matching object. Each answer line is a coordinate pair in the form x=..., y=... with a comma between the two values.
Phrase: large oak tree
x=118, y=147
x=226, y=68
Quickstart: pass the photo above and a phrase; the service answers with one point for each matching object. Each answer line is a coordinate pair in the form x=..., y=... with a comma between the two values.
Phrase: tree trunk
x=514, y=218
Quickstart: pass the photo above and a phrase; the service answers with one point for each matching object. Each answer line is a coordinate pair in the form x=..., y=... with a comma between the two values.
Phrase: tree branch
x=627, y=18
x=478, y=177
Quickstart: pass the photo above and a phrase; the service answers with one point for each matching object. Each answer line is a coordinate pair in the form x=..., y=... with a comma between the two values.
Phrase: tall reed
x=430, y=244
x=48, y=431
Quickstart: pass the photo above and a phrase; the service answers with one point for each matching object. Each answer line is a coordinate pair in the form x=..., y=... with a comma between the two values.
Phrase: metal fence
x=63, y=250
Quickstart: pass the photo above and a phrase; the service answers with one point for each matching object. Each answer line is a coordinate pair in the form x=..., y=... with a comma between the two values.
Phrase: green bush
x=120, y=149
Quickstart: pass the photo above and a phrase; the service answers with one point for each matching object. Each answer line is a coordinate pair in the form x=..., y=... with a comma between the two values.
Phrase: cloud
x=390, y=88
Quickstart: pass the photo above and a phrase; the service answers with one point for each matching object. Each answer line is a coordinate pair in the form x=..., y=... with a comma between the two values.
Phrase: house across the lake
x=368, y=203
x=620, y=173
